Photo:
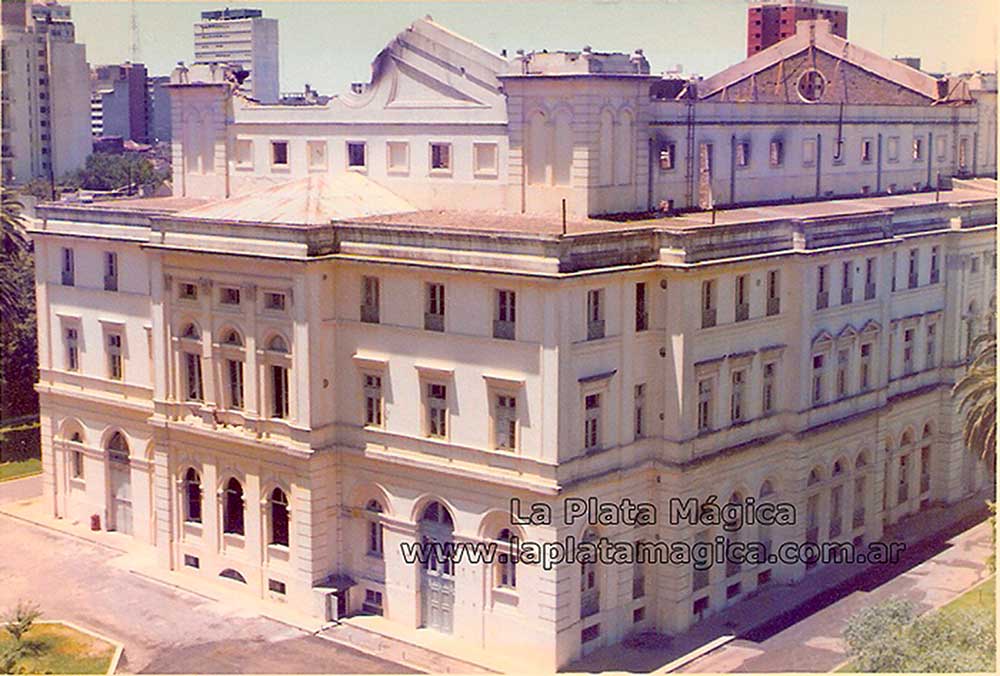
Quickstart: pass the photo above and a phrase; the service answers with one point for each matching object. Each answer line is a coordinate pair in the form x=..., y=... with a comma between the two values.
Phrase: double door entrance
x=120, y=513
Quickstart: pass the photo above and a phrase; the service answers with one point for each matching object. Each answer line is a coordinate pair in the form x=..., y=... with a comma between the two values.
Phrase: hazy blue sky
x=329, y=43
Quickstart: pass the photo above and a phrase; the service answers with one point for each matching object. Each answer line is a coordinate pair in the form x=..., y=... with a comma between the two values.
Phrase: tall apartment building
x=46, y=98
x=244, y=38
x=159, y=103
x=770, y=21
x=368, y=324
x=119, y=101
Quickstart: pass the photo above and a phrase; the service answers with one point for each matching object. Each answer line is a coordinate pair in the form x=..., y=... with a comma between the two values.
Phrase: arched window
x=279, y=517
x=562, y=149
x=192, y=496
x=861, y=461
x=766, y=489
x=375, y=541
x=590, y=591
x=231, y=574
x=606, y=145
x=838, y=468
x=436, y=526
x=906, y=439
x=624, y=149
x=814, y=478
x=277, y=344
x=191, y=331
x=538, y=150
x=76, y=438
x=232, y=338
x=505, y=576
x=77, y=456
x=117, y=443
x=232, y=508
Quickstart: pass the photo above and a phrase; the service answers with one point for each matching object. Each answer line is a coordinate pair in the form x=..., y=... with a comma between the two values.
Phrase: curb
x=118, y=646
x=53, y=529
x=405, y=663
x=22, y=477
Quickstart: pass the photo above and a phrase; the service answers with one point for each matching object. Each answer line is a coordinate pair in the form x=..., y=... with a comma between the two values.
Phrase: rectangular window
x=866, y=150
x=935, y=265
x=110, y=271
x=870, y=279
x=370, y=300
x=705, y=405
x=843, y=359
x=274, y=301
x=918, y=149
x=229, y=295
x=504, y=321
x=892, y=148
x=895, y=265
x=773, y=292
x=590, y=633
x=767, y=392
x=276, y=586
x=974, y=264
x=441, y=157
x=641, y=312
x=708, y=311
x=592, y=422
x=373, y=602
x=595, y=314
x=736, y=397
x=777, y=153
x=279, y=153
x=192, y=561
x=942, y=147
x=505, y=422
x=809, y=152
x=908, y=351
x=244, y=153
x=187, y=291
x=316, y=154
x=931, y=331
x=742, y=298
x=77, y=464
x=72, y=350
x=743, y=154
x=437, y=411
x=817, y=380
x=279, y=391
x=866, y=367
x=822, y=287
x=485, y=159
x=397, y=157
x=373, y=400
x=234, y=372
x=114, y=356
x=668, y=155
x=434, y=307
x=847, y=283
x=914, y=270
x=356, y=155
x=640, y=410
x=192, y=375
x=963, y=152
x=68, y=267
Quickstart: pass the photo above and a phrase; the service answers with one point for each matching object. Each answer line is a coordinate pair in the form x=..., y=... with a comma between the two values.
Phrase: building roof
x=816, y=33
x=306, y=201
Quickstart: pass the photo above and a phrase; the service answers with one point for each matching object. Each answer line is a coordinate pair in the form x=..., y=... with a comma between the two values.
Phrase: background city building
x=46, y=94
x=770, y=21
x=244, y=38
x=119, y=103
x=159, y=101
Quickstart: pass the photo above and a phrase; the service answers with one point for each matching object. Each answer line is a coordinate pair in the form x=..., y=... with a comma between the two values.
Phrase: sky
x=331, y=43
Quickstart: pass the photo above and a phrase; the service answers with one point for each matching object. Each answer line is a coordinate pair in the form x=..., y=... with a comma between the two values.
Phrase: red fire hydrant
x=95, y=522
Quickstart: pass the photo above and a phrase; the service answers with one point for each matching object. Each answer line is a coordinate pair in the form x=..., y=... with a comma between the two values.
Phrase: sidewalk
x=420, y=650
x=762, y=615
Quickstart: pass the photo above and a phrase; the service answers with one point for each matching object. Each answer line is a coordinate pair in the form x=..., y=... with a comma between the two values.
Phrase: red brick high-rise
x=770, y=21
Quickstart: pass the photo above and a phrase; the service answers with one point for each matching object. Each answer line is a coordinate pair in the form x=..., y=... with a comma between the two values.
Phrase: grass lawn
x=21, y=468
x=64, y=650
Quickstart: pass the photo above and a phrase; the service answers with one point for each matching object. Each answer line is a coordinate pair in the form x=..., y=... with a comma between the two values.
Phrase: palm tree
x=979, y=397
x=13, y=244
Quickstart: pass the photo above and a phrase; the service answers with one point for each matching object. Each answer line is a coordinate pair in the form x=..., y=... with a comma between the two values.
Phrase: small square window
x=485, y=159
x=189, y=291
x=398, y=157
x=274, y=301
x=244, y=153
x=441, y=157
x=279, y=153
x=192, y=561
x=866, y=150
x=229, y=295
x=356, y=155
x=276, y=586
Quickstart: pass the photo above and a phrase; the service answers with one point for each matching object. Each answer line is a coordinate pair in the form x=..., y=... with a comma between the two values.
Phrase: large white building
x=372, y=323
x=46, y=93
x=243, y=38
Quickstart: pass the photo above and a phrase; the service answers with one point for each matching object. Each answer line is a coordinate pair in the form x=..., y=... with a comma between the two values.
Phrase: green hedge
x=21, y=443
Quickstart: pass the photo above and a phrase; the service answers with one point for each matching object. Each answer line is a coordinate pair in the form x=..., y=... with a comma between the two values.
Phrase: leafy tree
x=105, y=171
x=887, y=638
x=13, y=242
x=977, y=389
x=17, y=622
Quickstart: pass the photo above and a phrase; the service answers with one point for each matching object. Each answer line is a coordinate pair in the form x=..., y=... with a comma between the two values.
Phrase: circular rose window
x=811, y=85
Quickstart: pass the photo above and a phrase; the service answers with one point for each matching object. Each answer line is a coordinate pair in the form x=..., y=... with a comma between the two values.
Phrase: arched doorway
x=437, y=575
x=120, y=479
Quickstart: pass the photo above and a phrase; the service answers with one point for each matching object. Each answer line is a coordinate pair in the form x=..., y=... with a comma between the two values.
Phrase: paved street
x=814, y=644
x=164, y=630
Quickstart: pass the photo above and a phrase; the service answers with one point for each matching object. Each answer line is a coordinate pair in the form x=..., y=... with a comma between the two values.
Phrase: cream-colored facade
x=280, y=377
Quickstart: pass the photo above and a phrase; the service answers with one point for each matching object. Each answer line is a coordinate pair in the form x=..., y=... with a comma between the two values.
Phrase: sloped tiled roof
x=817, y=33
x=311, y=200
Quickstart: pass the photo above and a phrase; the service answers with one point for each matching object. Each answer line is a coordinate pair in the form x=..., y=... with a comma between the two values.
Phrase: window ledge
x=506, y=595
